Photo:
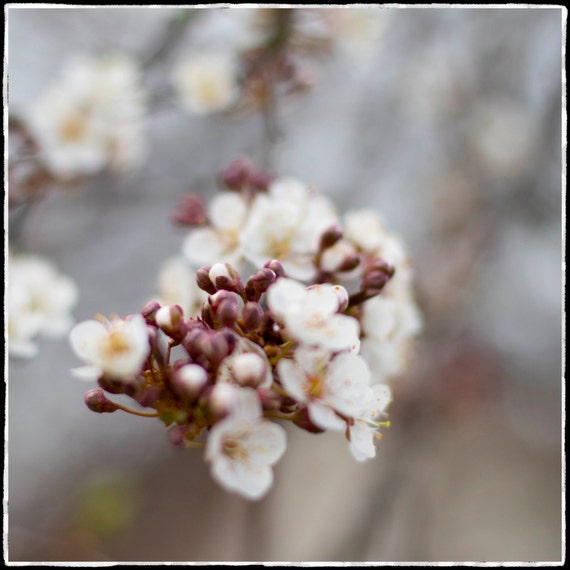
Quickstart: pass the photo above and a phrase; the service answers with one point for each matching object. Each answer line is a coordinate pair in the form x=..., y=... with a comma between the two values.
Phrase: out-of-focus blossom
x=326, y=386
x=177, y=286
x=286, y=224
x=90, y=119
x=311, y=315
x=116, y=348
x=355, y=29
x=243, y=448
x=39, y=302
x=206, y=83
x=220, y=241
x=365, y=430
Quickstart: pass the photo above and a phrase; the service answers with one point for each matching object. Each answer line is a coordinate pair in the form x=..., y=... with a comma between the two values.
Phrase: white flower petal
x=85, y=338
x=325, y=418
x=293, y=379
x=284, y=294
x=266, y=443
x=228, y=211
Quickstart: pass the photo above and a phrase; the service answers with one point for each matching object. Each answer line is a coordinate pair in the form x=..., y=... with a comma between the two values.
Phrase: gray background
x=470, y=469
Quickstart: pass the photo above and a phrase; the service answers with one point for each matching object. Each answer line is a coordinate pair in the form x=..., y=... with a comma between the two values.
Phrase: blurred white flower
x=365, y=430
x=286, y=224
x=177, y=286
x=90, y=118
x=219, y=242
x=389, y=323
x=206, y=83
x=39, y=302
x=117, y=348
x=243, y=448
x=356, y=29
x=326, y=386
x=311, y=314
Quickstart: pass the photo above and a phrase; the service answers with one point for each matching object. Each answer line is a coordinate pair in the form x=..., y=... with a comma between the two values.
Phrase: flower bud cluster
x=295, y=341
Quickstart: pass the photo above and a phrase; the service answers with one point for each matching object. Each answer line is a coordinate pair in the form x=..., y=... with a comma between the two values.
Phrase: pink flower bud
x=248, y=369
x=203, y=280
x=252, y=316
x=270, y=399
x=96, y=401
x=190, y=211
x=176, y=435
x=171, y=321
x=375, y=281
x=259, y=282
x=219, y=270
x=149, y=311
x=275, y=266
x=236, y=175
x=222, y=400
x=189, y=380
x=330, y=236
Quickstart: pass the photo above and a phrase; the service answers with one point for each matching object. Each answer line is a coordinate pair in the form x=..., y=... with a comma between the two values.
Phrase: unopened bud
x=222, y=399
x=237, y=174
x=270, y=399
x=149, y=311
x=260, y=180
x=168, y=318
x=203, y=280
x=248, y=369
x=96, y=401
x=219, y=270
x=259, y=282
x=252, y=316
x=176, y=435
x=375, y=280
x=227, y=313
x=275, y=266
x=331, y=236
x=226, y=277
x=190, y=211
x=189, y=380
x=350, y=262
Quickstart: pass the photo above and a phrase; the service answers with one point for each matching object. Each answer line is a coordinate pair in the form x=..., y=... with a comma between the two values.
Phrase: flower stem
x=136, y=413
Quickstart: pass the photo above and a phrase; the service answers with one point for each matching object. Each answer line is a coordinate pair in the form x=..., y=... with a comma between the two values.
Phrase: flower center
x=116, y=343
x=315, y=387
x=234, y=449
x=73, y=129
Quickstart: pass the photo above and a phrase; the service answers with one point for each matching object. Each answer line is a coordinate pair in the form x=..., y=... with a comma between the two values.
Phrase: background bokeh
x=450, y=126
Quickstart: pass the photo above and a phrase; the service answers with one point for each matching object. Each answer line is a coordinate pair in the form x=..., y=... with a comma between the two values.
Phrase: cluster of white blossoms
x=91, y=117
x=312, y=336
x=273, y=56
x=39, y=303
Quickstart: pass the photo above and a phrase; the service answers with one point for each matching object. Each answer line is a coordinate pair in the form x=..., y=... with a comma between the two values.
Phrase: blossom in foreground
x=365, y=430
x=279, y=345
x=206, y=83
x=311, y=314
x=39, y=302
x=90, y=118
x=116, y=348
x=220, y=241
x=326, y=385
x=243, y=448
x=287, y=224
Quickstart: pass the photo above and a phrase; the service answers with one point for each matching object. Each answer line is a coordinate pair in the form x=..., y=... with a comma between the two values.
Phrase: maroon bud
x=303, y=420
x=190, y=211
x=382, y=266
x=113, y=385
x=260, y=180
x=259, y=282
x=227, y=313
x=375, y=280
x=350, y=262
x=252, y=316
x=236, y=175
x=96, y=401
x=203, y=280
x=331, y=236
x=148, y=396
x=149, y=311
x=176, y=435
x=275, y=266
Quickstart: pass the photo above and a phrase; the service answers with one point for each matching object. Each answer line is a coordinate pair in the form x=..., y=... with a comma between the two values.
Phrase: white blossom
x=389, y=323
x=365, y=430
x=177, y=286
x=219, y=242
x=286, y=224
x=326, y=385
x=206, y=83
x=243, y=447
x=117, y=348
x=311, y=314
x=356, y=30
x=90, y=118
x=39, y=302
